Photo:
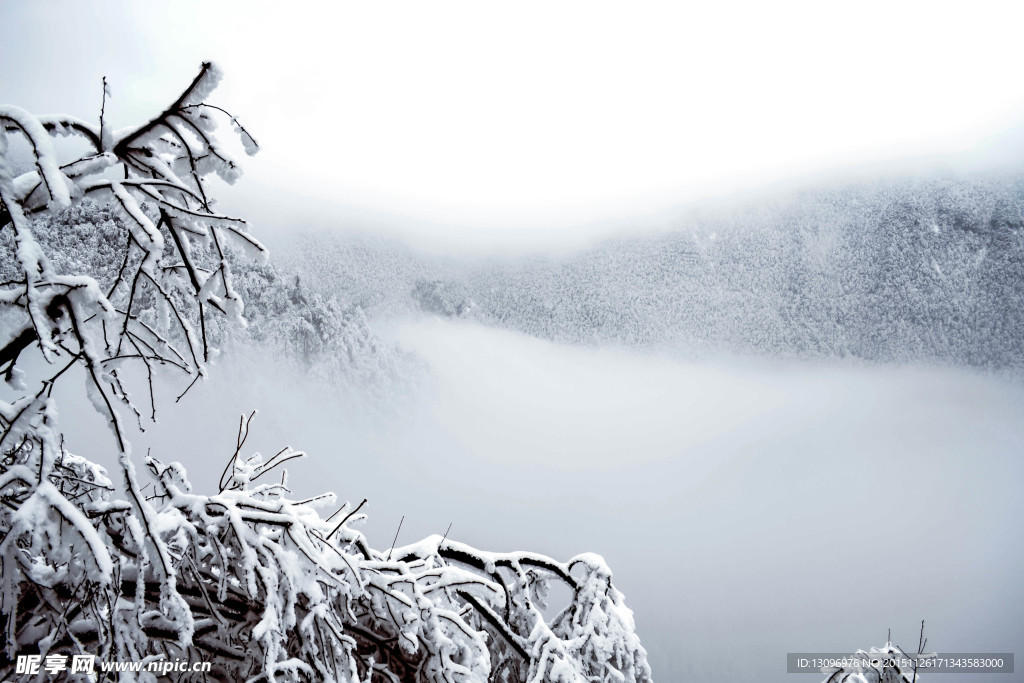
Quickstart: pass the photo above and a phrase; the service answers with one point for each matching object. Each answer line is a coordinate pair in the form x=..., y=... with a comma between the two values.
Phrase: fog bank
x=748, y=509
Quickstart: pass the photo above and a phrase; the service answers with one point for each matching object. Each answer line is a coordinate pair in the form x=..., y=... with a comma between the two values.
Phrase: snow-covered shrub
x=260, y=585
x=877, y=665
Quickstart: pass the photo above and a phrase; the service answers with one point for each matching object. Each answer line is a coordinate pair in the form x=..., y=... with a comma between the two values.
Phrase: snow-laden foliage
x=262, y=586
x=877, y=665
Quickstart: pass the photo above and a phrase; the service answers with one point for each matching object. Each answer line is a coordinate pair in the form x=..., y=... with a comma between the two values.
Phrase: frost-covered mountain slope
x=309, y=330
x=909, y=270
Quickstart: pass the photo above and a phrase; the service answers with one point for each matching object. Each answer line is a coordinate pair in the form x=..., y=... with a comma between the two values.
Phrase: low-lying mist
x=748, y=508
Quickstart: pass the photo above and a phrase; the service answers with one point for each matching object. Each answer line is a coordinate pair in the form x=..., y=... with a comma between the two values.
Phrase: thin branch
x=349, y=516
x=395, y=539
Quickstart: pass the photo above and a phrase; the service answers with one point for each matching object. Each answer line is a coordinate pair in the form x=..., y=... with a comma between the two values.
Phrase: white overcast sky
x=510, y=123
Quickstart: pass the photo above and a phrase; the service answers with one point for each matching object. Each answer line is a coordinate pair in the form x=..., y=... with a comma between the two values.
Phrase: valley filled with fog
x=790, y=426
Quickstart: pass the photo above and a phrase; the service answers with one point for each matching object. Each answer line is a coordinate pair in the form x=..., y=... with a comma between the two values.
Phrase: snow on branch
x=177, y=252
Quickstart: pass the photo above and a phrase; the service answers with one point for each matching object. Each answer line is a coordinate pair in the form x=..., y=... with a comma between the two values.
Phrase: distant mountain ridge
x=927, y=270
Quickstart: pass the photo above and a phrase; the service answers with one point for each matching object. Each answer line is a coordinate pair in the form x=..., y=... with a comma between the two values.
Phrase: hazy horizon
x=467, y=128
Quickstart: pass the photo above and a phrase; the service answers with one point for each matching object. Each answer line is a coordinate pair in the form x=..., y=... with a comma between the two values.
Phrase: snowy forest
x=240, y=447
x=903, y=270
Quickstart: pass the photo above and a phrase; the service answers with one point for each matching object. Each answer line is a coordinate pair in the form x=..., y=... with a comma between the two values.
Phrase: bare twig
x=349, y=516
x=395, y=539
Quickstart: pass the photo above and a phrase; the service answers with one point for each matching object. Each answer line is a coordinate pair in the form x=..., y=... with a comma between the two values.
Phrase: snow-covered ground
x=747, y=508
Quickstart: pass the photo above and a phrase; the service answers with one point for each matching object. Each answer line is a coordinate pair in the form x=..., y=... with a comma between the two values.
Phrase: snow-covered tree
x=259, y=584
x=442, y=298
